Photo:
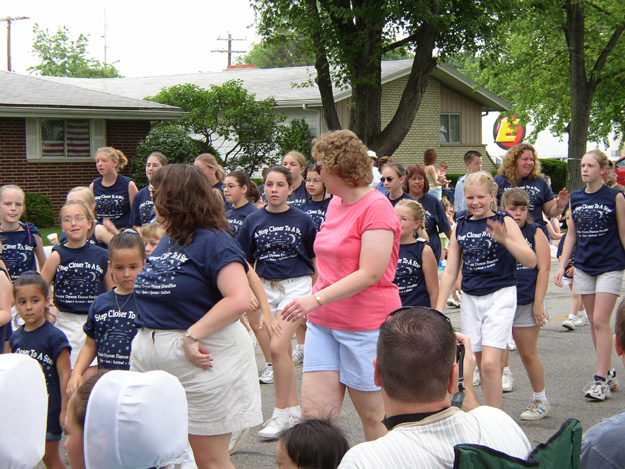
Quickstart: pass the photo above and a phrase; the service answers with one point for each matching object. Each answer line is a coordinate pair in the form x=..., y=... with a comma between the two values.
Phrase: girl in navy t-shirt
x=110, y=326
x=295, y=162
x=142, y=206
x=530, y=313
x=596, y=230
x=278, y=240
x=417, y=269
x=6, y=302
x=101, y=234
x=113, y=192
x=393, y=178
x=22, y=245
x=318, y=200
x=486, y=244
x=241, y=193
x=79, y=271
x=39, y=339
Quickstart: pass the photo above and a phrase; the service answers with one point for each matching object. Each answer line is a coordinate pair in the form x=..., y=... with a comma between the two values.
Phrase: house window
x=450, y=128
x=62, y=139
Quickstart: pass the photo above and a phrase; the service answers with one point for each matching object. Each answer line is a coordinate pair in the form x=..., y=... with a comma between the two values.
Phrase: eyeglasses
x=313, y=181
x=405, y=219
x=231, y=186
x=387, y=179
x=458, y=398
x=77, y=218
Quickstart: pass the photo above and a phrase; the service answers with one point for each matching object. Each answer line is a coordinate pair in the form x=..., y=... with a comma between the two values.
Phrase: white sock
x=280, y=413
x=541, y=396
x=295, y=412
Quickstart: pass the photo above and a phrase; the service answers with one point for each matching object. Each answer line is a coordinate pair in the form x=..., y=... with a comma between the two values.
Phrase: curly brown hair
x=184, y=198
x=508, y=167
x=342, y=153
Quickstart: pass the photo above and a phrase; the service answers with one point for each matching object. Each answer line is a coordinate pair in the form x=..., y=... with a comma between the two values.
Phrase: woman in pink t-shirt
x=357, y=251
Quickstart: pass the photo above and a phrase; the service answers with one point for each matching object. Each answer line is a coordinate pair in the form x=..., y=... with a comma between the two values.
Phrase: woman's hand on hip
x=197, y=353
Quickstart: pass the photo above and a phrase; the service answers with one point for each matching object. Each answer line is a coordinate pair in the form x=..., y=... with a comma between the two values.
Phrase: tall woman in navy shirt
x=189, y=296
x=597, y=233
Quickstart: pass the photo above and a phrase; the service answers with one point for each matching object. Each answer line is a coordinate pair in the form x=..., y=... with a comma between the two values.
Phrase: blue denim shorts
x=351, y=353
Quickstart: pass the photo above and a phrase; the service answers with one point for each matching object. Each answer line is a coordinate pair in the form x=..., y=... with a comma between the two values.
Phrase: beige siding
x=470, y=115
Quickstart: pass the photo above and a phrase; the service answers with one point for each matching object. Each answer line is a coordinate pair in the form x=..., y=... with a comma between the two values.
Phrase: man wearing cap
x=417, y=370
x=374, y=168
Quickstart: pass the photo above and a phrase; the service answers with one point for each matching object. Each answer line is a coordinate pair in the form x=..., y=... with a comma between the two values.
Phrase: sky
x=144, y=38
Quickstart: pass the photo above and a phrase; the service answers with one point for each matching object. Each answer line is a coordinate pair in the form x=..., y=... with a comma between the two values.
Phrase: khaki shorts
x=608, y=282
x=222, y=399
x=71, y=324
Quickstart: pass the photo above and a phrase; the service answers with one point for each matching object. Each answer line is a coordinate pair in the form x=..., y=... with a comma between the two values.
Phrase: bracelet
x=318, y=298
x=190, y=336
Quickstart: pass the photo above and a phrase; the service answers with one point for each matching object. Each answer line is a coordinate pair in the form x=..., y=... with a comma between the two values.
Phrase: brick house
x=449, y=118
x=49, y=132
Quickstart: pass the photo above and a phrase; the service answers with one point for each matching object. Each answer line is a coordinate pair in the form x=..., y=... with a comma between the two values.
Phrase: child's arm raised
x=509, y=235
x=543, y=257
x=63, y=368
x=454, y=258
x=430, y=273
x=49, y=269
x=85, y=357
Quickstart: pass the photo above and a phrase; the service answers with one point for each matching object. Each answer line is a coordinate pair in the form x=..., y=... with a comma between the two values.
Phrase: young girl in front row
x=486, y=243
x=22, y=241
x=79, y=271
x=39, y=339
x=596, y=229
x=110, y=326
x=278, y=240
x=242, y=193
x=417, y=270
x=530, y=313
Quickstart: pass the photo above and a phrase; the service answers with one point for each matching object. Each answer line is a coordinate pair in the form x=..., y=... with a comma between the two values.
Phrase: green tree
x=61, y=56
x=296, y=136
x=229, y=118
x=561, y=63
x=349, y=39
x=281, y=50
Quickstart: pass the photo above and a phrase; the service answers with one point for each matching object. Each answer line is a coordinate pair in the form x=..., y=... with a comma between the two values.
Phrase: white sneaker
x=506, y=380
x=581, y=320
x=274, y=426
x=612, y=380
x=476, y=377
x=266, y=377
x=298, y=355
x=453, y=303
x=597, y=390
x=538, y=410
x=237, y=437
x=571, y=323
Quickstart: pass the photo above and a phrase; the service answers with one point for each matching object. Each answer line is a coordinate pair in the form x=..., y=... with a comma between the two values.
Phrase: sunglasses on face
x=387, y=179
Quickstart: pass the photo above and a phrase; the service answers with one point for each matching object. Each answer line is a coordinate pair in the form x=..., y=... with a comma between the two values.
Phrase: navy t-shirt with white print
x=236, y=216
x=44, y=344
x=18, y=250
x=142, y=208
x=111, y=323
x=298, y=197
x=177, y=285
x=317, y=210
x=409, y=276
x=539, y=192
x=526, y=277
x=436, y=222
x=280, y=245
x=113, y=202
x=79, y=278
x=487, y=266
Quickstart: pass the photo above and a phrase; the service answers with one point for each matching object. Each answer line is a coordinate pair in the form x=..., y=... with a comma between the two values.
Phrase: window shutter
x=33, y=150
x=98, y=134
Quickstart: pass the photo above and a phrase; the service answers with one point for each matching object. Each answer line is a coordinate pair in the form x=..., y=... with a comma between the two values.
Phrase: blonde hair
x=342, y=153
x=88, y=193
x=115, y=155
x=210, y=161
x=12, y=187
x=418, y=213
x=88, y=214
x=508, y=167
x=601, y=157
x=399, y=169
x=446, y=203
x=150, y=230
x=301, y=159
x=484, y=180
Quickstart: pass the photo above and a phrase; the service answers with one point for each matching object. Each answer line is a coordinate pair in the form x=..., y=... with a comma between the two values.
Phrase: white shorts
x=281, y=292
x=608, y=282
x=71, y=324
x=222, y=399
x=487, y=320
x=567, y=280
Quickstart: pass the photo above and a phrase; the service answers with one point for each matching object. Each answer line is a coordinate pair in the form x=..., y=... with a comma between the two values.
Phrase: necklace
x=119, y=310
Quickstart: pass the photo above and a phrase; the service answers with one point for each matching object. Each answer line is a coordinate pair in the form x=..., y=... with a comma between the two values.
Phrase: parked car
x=620, y=170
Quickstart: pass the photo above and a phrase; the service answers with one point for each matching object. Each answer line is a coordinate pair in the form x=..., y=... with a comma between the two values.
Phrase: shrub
x=171, y=141
x=557, y=170
x=39, y=210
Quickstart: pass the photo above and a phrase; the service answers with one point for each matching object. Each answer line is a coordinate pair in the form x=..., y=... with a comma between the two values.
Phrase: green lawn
x=46, y=231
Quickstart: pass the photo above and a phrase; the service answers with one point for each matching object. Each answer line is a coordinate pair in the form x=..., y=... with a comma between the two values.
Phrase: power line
x=10, y=20
x=229, y=51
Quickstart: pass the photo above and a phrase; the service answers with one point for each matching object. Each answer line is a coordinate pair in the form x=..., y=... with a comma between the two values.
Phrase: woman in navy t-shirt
x=596, y=230
x=521, y=168
x=189, y=296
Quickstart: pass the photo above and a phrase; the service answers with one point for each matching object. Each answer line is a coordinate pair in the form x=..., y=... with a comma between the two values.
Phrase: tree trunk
x=581, y=95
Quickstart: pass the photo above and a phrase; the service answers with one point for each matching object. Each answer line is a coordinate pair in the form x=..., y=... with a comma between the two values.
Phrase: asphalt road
x=569, y=363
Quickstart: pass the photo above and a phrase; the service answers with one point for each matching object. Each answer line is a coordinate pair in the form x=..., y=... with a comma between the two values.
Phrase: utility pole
x=10, y=20
x=105, y=46
x=229, y=50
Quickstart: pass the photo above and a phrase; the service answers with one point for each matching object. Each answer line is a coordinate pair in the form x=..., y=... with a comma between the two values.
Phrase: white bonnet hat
x=135, y=420
x=23, y=411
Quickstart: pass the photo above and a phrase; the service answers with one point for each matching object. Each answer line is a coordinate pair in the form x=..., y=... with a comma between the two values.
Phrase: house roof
x=279, y=83
x=25, y=96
